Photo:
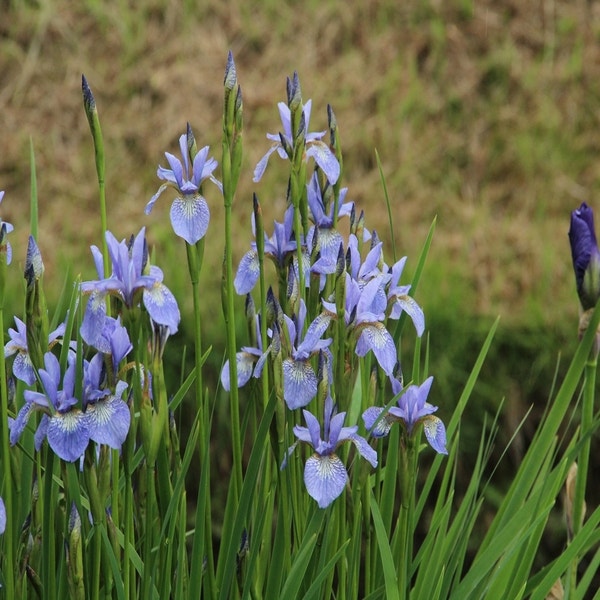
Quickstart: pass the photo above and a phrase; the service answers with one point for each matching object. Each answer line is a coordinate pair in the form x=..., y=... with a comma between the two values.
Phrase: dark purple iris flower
x=586, y=256
x=324, y=473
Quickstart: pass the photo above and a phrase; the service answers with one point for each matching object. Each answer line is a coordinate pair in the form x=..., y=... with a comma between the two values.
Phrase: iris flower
x=189, y=211
x=299, y=378
x=324, y=473
x=586, y=256
x=64, y=425
x=283, y=143
x=364, y=315
x=22, y=366
x=107, y=414
x=329, y=239
x=412, y=409
x=245, y=361
x=132, y=280
x=280, y=248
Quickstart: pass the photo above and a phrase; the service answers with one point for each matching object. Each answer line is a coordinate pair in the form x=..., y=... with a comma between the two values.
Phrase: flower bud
x=586, y=256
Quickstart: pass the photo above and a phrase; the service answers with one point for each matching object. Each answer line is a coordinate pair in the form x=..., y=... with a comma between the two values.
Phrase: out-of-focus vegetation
x=484, y=114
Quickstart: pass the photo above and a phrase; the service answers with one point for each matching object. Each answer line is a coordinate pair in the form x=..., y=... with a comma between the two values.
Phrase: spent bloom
x=189, y=211
x=315, y=147
x=325, y=474
x=132, y=280
x=412, y=408
x=586, y=256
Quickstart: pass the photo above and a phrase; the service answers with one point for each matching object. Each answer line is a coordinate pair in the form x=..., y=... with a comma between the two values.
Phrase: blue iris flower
x=280, y=248
x=64, y=424
x=189, y=211
x=364, y=315
x=325, y=474
x=299, y=378
x=315, y=146
x=132, y=280
x=22, y=366
x=412, y=408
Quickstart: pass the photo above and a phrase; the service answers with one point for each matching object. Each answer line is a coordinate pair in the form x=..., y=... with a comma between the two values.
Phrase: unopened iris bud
x=191, y=142
x=75, y=556
x=89, y=102
x=586, y=256
x=294, y=93
x=34, y=266
x=230, y=80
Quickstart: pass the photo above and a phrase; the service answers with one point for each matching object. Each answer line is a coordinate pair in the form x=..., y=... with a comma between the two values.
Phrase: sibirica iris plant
x=189, y=212
x=586, y=256
x=325, y=474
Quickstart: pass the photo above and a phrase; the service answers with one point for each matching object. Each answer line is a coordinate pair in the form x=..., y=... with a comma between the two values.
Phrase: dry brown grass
x=483, y=113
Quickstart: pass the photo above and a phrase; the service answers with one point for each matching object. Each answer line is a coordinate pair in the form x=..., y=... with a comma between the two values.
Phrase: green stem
x=587, y=420
x=148, y=572
x=48, y=531
x=9, y=541
x=195, y=255
x=229, y=314
x=408, y=466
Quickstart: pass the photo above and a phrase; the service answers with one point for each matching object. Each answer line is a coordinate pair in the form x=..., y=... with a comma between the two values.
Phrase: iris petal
x=325, y=478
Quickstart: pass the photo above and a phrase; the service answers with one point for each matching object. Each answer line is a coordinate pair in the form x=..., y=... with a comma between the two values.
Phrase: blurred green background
x=485, y=114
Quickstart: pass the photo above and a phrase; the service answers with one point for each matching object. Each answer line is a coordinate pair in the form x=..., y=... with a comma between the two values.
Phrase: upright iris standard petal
x=585, y=255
